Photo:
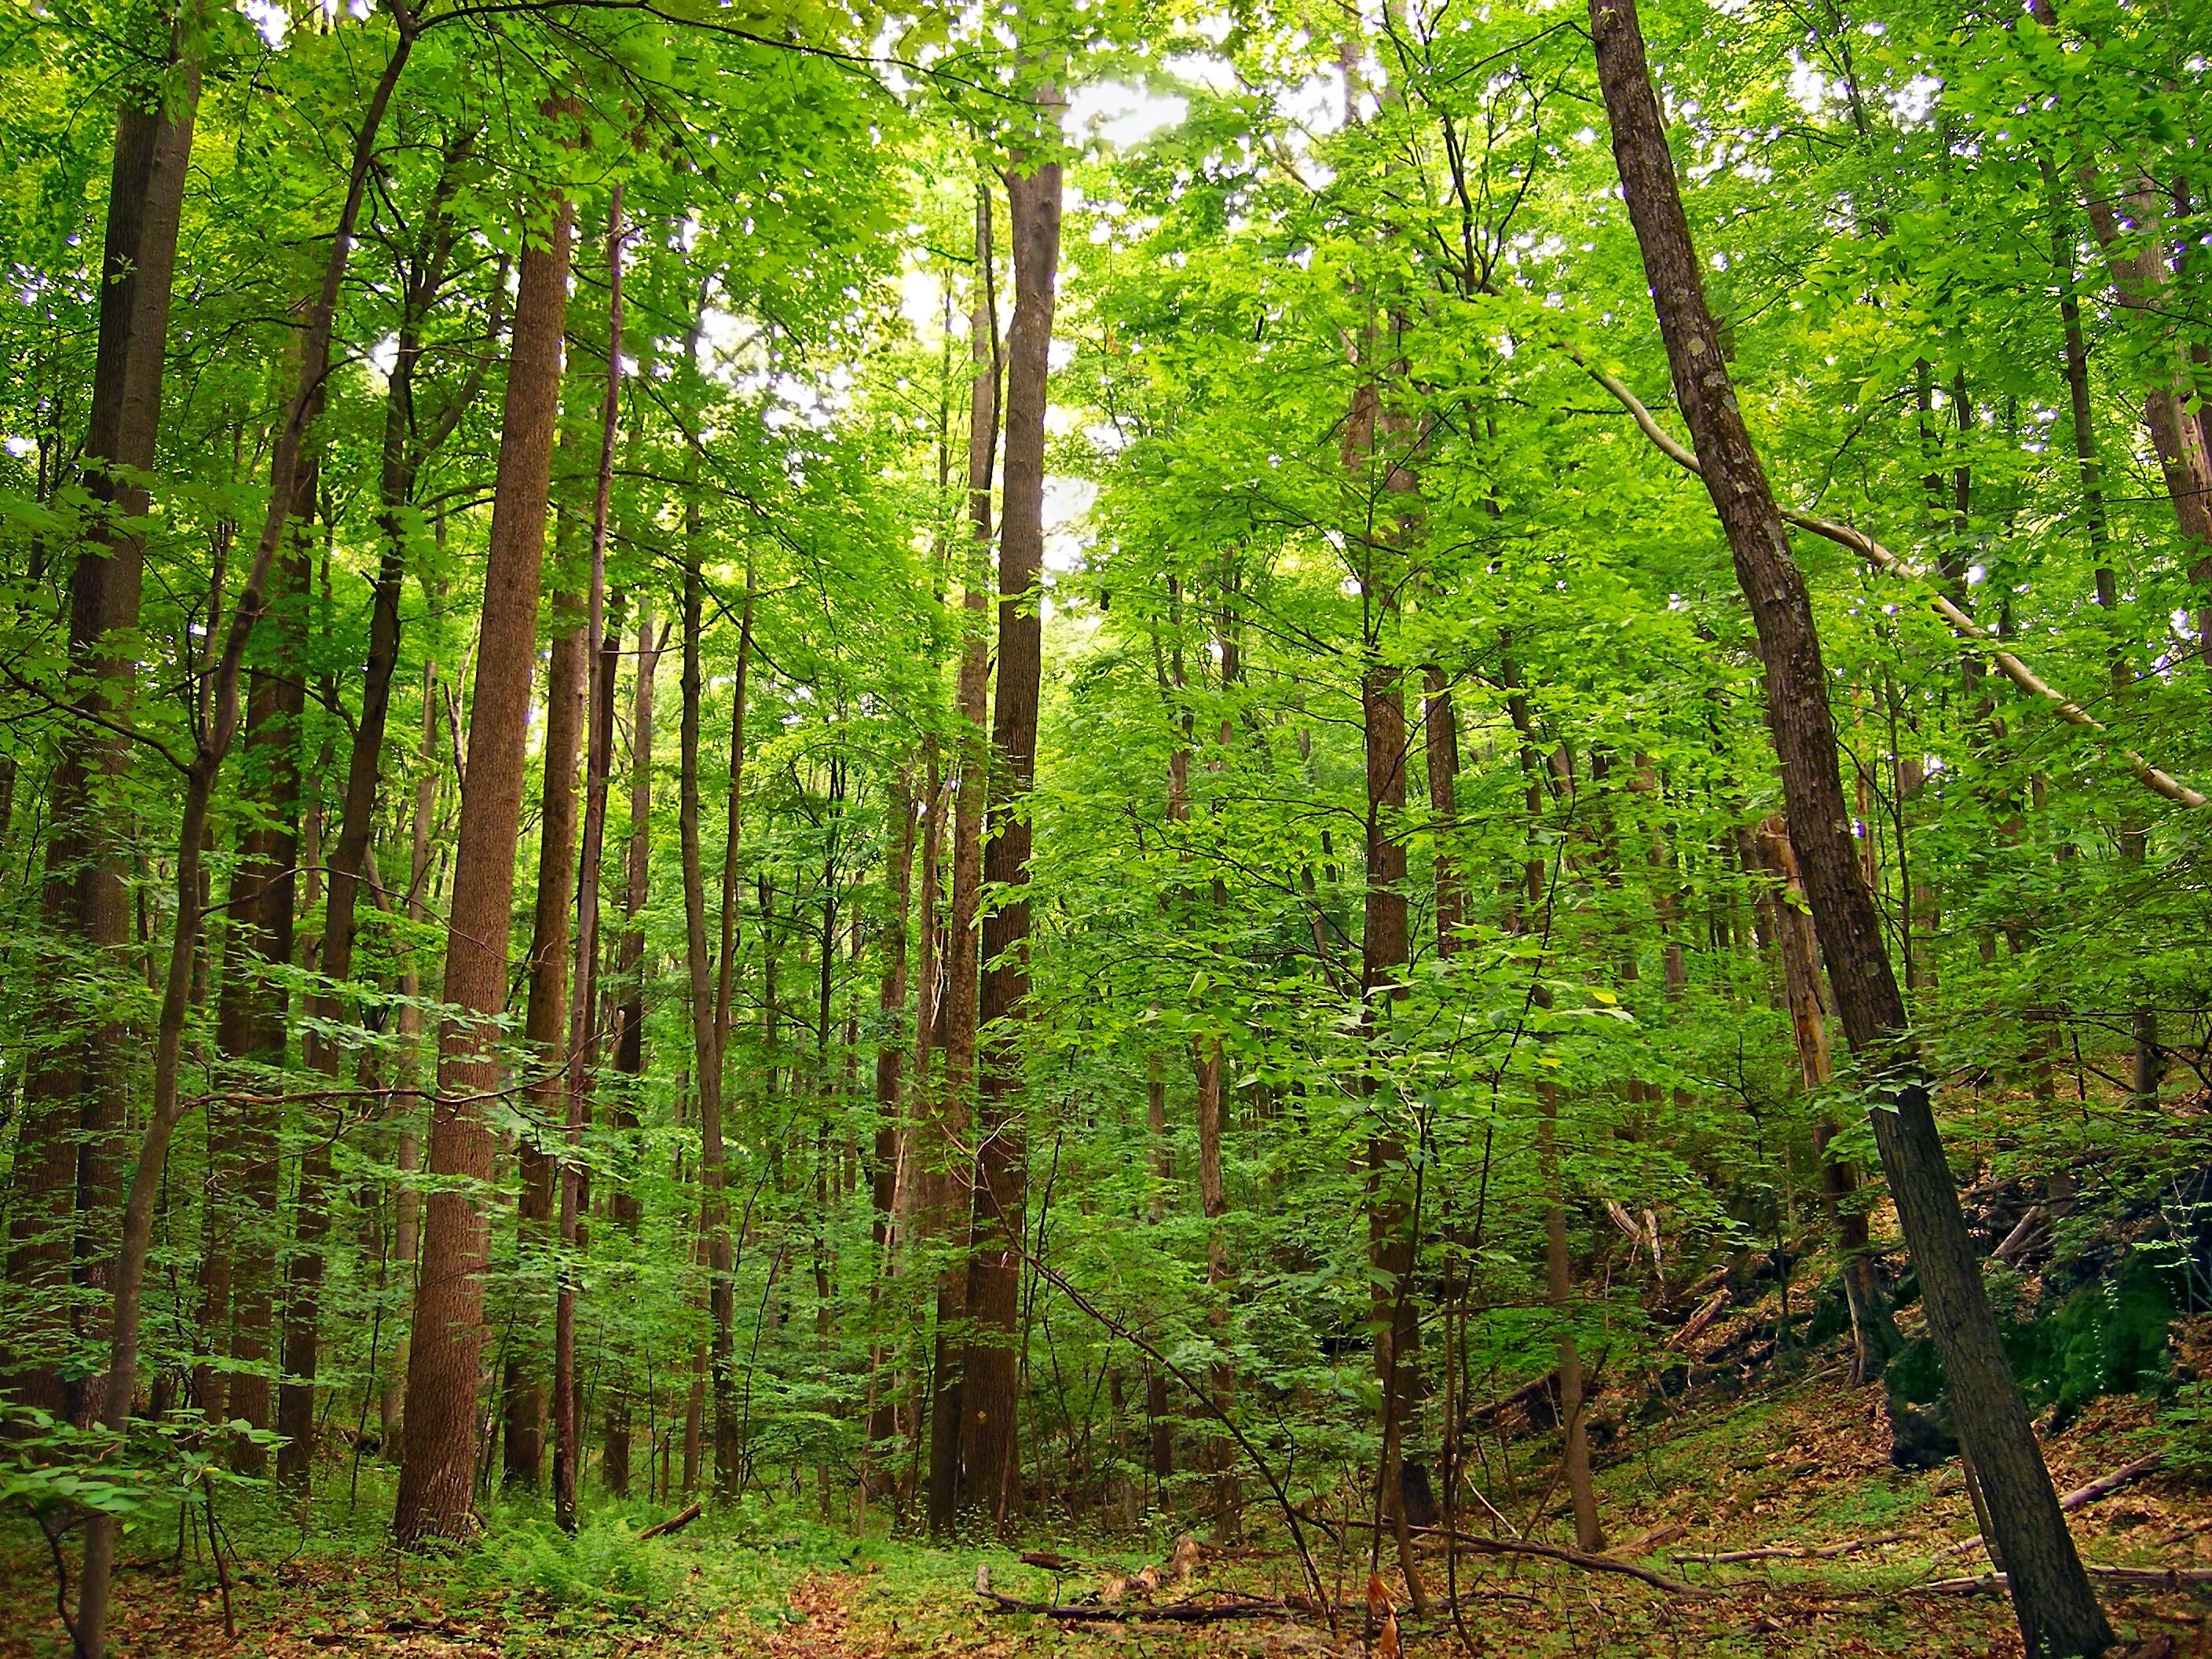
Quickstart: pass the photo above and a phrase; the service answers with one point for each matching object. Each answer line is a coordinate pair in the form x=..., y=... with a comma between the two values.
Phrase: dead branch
x=2148, y=1578
x=676, y=1522
x=1175, y=1612
x=2103, y=1486
x=1958, y=620
x=1790, y=1552
x=1479, y=1543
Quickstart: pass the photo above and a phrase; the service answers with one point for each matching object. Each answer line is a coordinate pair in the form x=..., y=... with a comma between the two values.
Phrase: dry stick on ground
x=1790, y=1552
x=1205, y=1398
x=1179, y=1613
x=2149, y=1578
x=2080, y=1498
x=2151, y=778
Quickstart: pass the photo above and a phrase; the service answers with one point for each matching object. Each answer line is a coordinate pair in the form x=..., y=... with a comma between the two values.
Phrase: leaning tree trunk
x=437, y=1466
x=991, y=1374
x=75, y=1092
x=2056, y=1609
x=167, y=1106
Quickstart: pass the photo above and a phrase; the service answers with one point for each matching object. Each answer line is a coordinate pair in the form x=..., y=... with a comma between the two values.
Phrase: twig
x=1205, y=1397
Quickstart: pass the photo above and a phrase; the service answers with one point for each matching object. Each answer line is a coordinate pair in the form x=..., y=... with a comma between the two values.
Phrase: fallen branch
x=2103, y=1486
x=2151, y=1578
x=1791, y=1552
x=1697, y=1321
x=2020, y=1239
x=676, y=1522
x=1478, y=1544
x=1175, y=1612
x=1882, y=559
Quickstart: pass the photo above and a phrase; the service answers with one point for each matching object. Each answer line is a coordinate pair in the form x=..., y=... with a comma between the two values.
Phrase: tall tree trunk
x=622, y=1203
x=438, y=1463
x=1558, y=1276
x=2143, y=1018
x=1386, y=954
x=400, y=459
x=991, y=1373
x=251, y=1027
x=708, y=1031
x=890, y=1150
x=546, y=1034
x=2057, y=1612
x=1162, y=1442
x=75, y=1092
x=406, y=1202
x=944, y=1146
x=602, y=654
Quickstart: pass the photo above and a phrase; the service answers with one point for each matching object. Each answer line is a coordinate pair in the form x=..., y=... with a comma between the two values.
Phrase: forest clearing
x=1216, y=825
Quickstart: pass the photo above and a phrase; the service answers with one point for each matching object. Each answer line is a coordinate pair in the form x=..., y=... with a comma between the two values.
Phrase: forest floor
x=1788, y=1463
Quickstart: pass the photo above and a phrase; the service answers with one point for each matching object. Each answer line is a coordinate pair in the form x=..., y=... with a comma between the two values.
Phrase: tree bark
x=406, y=1204
x=2056, y=1609
x=438, y=1463
x=991, y=1372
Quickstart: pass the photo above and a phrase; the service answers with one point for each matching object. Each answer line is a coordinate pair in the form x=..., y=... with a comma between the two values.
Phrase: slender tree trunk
x=545, y=1033
x=438, y=1463
x=622, y=1203
x=251, y=1027
x=1163, y=1157
x=944, y=1147
x=1386, y=954
x=76, y=1091
x=601, y=655
x=406, y=1204
x=707, y=1031
x=991, y=1374
x=349, y=857
x=2059, y=1613
x=2143, y=1018
x=890, y=1119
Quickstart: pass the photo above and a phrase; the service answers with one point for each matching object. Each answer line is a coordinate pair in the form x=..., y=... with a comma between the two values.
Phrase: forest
x=1274, y=827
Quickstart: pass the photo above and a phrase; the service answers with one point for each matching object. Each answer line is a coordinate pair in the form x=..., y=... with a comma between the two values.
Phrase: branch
x=2151, y=778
